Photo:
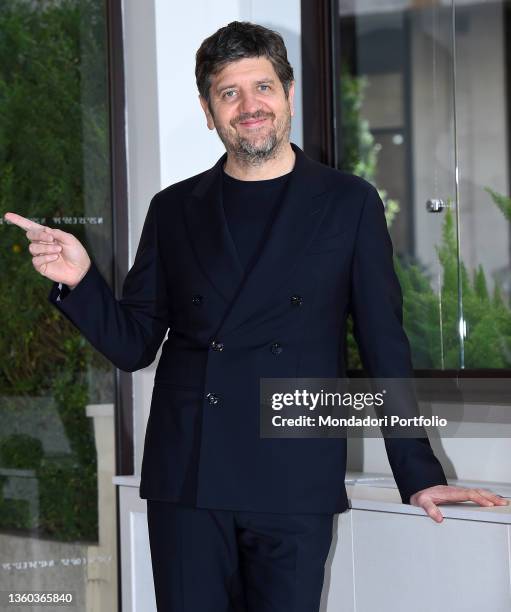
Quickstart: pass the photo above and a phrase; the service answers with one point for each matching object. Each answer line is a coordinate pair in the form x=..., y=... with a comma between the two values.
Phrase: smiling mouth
x=253, y=122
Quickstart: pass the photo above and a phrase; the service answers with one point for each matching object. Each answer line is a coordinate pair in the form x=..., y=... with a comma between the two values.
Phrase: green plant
x=431, y=317
x=54, y=164
x=502, y=201
x=360, y=157
x=21, y=451
x=360, y=151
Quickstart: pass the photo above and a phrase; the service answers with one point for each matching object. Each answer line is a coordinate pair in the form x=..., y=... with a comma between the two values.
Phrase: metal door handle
x=436, y=205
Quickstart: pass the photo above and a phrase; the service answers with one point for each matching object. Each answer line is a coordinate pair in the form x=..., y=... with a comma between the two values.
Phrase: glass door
x=57, y=445
x=423, y=117
x=482, y=106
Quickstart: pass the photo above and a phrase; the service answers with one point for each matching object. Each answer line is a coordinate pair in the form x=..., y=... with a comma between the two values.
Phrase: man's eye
x=226, y=94
x=265, y=86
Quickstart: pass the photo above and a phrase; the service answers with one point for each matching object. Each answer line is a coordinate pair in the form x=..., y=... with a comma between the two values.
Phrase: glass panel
x=482, y=111
x=397, y=130
x=57, y=501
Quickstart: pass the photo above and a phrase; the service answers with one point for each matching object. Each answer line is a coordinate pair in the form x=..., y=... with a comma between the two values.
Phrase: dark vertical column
x=123, y=407
x=507, y=90
x=119, y=198
x=319, y=19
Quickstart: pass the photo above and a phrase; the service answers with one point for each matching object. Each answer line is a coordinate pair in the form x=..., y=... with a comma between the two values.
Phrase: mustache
x=247, y=116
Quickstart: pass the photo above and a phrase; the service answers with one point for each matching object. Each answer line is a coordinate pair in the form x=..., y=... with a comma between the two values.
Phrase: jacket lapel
x=209, y=233
x=294, y=226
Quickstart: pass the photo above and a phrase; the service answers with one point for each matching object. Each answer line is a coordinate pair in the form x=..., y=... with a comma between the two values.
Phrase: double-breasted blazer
x=328, y=254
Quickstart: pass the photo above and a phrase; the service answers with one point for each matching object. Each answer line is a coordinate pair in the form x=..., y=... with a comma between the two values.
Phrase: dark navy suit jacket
x=328, y=253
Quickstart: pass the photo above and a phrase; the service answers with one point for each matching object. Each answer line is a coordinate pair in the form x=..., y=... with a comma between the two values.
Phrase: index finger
x=22, y=222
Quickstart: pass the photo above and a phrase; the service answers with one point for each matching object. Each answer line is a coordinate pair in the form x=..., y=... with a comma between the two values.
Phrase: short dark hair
x=237, y=40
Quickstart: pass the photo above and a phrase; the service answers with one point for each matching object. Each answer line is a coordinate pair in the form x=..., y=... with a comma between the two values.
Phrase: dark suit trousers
x=208, y=560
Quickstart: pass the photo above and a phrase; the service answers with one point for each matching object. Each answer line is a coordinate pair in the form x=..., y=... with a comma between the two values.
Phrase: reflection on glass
x=424, y=116
x=57, y=501
x=485, y=210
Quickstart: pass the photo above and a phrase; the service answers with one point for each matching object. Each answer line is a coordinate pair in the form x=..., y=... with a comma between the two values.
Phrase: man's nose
x=249, y=103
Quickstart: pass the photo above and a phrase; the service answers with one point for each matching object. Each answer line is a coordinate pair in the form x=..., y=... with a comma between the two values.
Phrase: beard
x=258, y=147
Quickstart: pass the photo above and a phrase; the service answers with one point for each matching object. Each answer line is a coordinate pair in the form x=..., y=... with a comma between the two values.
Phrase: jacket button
x=276, y=348
x=216, y=346
x=296, y=300
x=197, y=299
x=212, y=398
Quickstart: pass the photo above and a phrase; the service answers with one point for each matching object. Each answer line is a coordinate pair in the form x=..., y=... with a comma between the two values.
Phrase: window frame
x=123, y=402
x=320, y=46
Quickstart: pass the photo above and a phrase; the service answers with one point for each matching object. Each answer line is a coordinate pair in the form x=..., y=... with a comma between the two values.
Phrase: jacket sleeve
x=128, y=331
x=376, y=306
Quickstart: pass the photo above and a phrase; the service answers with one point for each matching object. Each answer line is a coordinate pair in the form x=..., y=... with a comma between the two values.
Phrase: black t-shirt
x=250, y=207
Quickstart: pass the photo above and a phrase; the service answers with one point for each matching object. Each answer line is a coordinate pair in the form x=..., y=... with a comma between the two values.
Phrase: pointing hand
x=57, y=255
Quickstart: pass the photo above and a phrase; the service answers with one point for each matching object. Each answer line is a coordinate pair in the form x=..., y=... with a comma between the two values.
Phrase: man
x=253, y=265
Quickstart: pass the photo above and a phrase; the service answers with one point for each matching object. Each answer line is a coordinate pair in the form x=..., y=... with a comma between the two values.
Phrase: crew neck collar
x=276, y=179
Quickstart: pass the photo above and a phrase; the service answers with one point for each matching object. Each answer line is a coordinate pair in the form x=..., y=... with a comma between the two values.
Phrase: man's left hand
x=442, y=494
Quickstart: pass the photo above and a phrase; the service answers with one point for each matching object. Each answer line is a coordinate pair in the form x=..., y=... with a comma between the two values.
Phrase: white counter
x=372, y=491
x=385, y=555
x=379, y=492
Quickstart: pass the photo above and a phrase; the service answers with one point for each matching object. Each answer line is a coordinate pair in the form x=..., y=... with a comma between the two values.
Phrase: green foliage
x=360, y=152
x=14, y=513
x=431, y=315
x=502, y=201
x=428, y=313
x=360, y=157
x=68, y=501
x=54, y=161
x=21, y=451
x=44, y=154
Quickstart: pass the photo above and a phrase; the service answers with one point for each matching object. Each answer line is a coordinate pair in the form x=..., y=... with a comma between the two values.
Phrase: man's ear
x=209, y=116
x=291, y=97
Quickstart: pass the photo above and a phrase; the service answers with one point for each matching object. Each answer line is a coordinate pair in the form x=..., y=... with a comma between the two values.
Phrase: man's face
x=249, y=109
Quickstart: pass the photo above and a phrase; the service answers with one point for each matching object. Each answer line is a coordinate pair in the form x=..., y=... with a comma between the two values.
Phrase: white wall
x=167, y=136
x=478, y=458
x=187, y=146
